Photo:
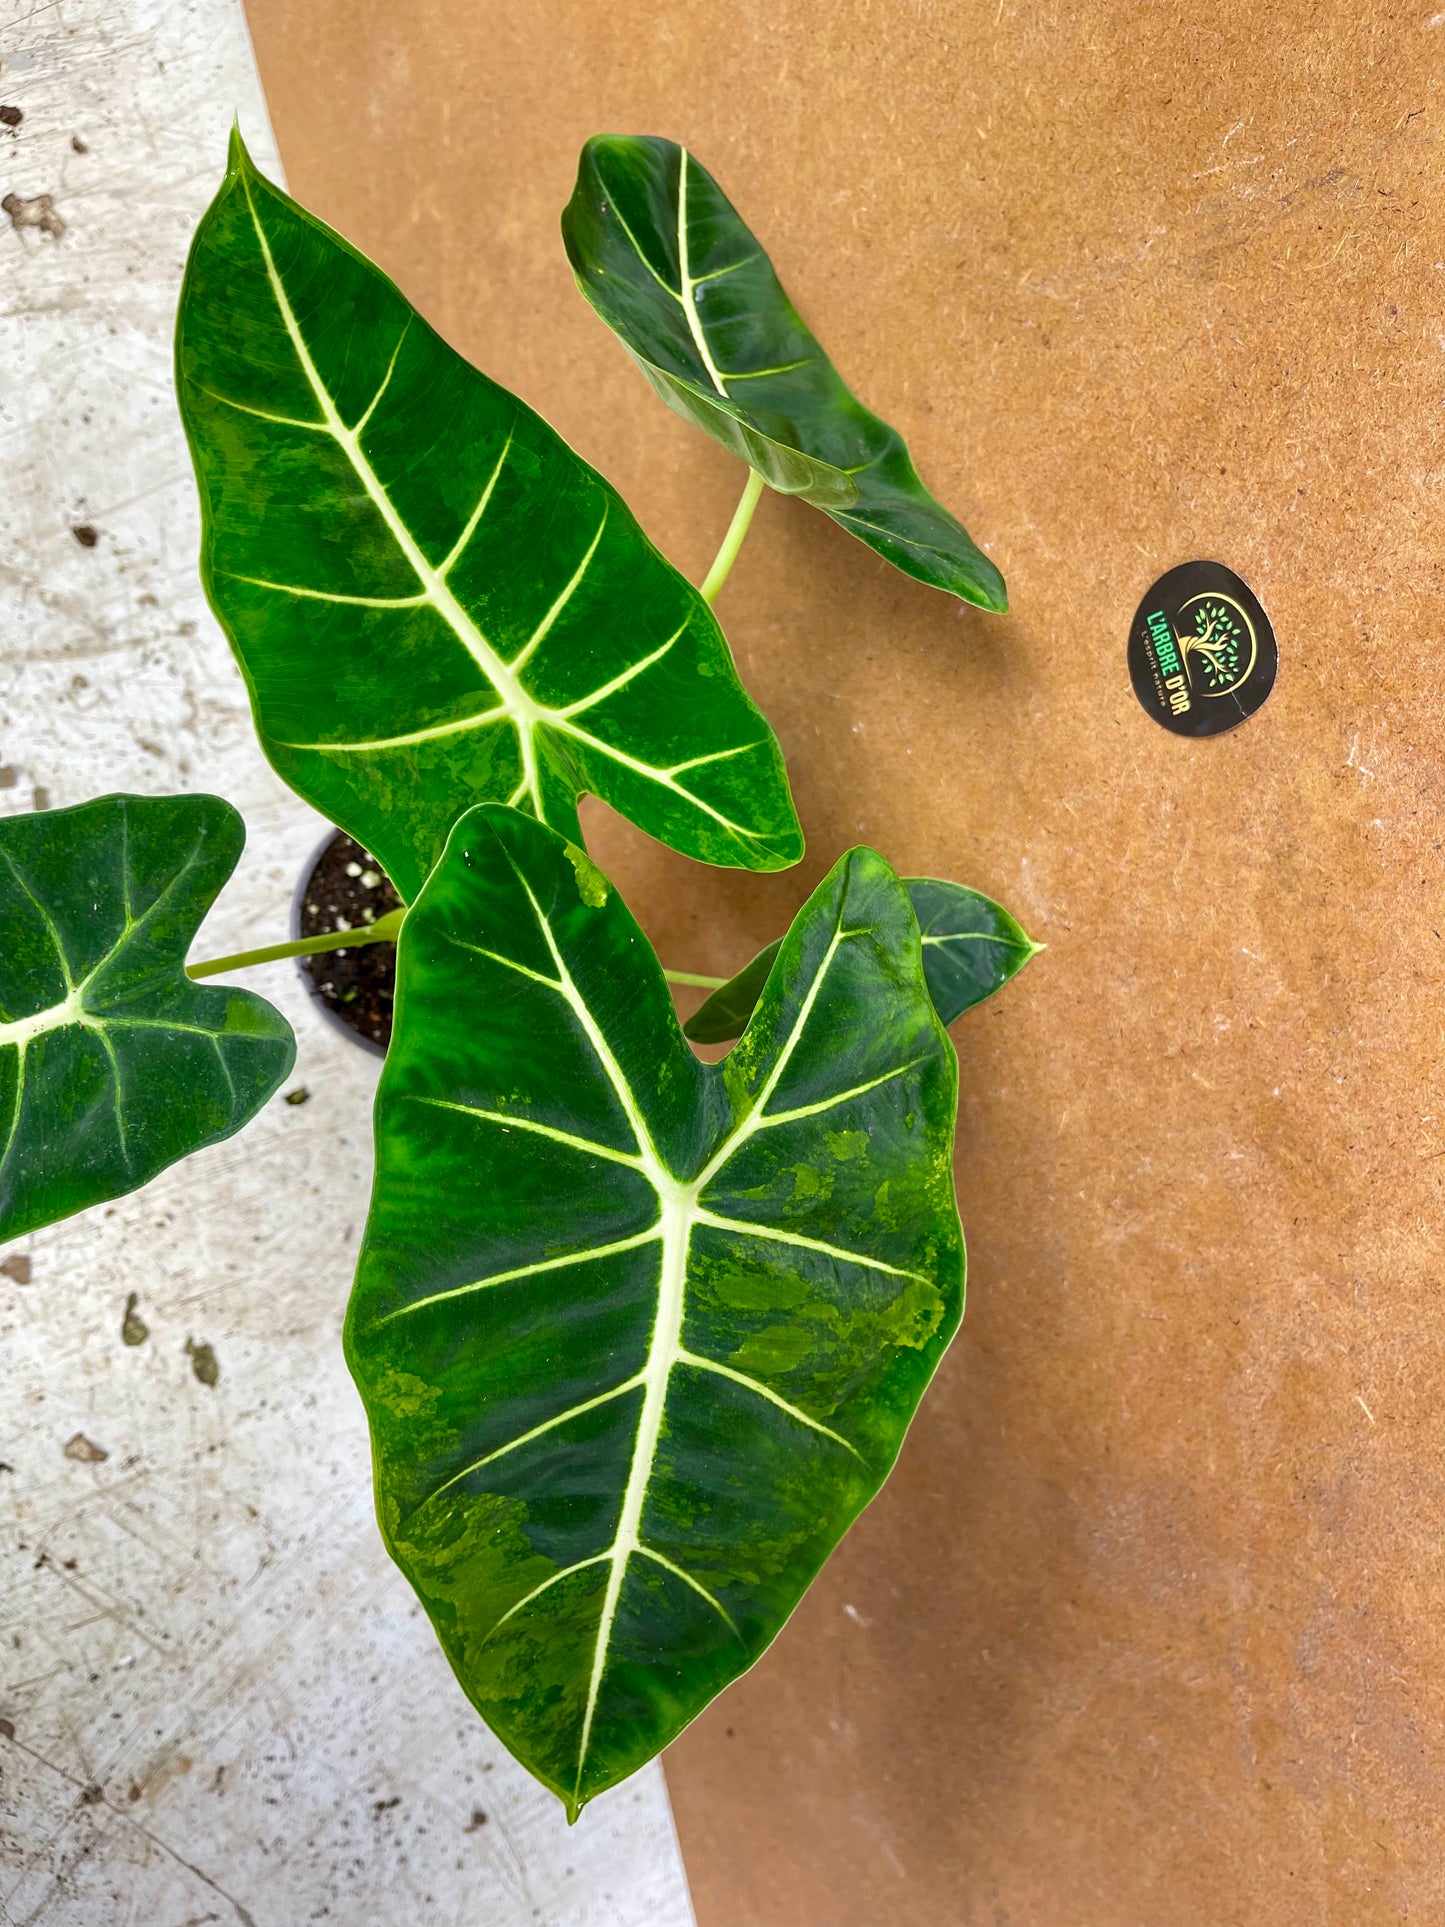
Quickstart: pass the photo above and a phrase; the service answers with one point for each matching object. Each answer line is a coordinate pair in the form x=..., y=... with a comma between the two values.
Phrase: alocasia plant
x=638, y=1335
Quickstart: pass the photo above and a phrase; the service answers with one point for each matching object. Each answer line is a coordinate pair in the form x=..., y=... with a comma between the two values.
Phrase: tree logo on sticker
x=1202, y=653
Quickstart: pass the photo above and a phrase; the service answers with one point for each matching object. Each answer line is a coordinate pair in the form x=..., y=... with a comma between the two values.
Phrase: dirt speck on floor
x=85, y=535
x=37, y=212
x=11, y=116
x=17, y=1267
x=133, y=1328
x=85, y=1451
x=203, y=1361
x=299, y=1096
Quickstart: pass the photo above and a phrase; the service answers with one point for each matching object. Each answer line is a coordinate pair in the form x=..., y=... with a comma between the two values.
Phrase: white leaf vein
x=534, y=1432
x=512, y=1121
x=564, y=1262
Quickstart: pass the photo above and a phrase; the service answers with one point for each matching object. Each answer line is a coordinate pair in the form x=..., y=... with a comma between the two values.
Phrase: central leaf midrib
x=663, y=1352
x=17, y=1033
x=689, y=305
x=679, y=1209
x=674, y=1221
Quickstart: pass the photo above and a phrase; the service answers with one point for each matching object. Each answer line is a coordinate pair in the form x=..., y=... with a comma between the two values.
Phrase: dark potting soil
x=348, y=889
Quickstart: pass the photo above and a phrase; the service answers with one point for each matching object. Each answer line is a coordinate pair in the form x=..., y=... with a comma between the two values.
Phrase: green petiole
x=733, y=540
x=385, y=930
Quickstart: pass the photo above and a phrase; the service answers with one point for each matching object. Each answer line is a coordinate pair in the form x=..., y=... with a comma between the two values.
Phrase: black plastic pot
x=351, y=987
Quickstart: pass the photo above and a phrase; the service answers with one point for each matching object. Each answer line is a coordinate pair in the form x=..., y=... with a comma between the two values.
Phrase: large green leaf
x=112, y=1063
x=971, y=947
x=434, y=601
x=664, y=258
x=639, y=1336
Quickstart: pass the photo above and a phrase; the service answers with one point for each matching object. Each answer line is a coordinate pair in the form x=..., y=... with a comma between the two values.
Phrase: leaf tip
x=988, y=590
x=784, y=851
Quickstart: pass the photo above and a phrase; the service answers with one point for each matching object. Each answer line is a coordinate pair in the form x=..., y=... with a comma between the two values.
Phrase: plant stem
x=733, y=540
x=384, y=930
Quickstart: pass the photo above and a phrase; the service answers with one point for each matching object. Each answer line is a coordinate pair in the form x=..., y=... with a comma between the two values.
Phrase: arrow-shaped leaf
x=639, y=1336
x=434, y=601
x=665, y=259
x=112, y=1063
x=971, y=947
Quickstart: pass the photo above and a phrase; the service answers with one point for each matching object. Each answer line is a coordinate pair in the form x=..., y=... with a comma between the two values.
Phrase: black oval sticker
x=1202, y=654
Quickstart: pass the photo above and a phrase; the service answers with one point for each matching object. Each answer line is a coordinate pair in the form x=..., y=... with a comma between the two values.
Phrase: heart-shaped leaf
x=112, y=1063
x=662, y=255
x=434, y=601
x=639, y=1336
x=971, y=947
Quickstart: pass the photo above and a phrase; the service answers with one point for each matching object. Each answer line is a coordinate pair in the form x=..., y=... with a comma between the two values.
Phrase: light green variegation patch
x=674, y=1339
x=112, y=1063
x=591, y=884
x=433, y=599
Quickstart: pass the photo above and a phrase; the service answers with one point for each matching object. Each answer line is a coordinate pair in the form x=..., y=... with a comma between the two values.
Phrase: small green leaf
x=112, y=1063
x=639, y=1336
x=433, y=600
x=662, y=255
x=971, y=947
x=724, y=1015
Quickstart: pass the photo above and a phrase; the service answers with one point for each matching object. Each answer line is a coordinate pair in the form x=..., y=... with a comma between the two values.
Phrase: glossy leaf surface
x=971, y=947
x=639, y=1336
x=112, y=1063
x=665, y=259
x=434, y=601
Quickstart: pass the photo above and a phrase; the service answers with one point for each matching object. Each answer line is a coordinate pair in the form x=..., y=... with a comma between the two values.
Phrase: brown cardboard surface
x=1146, y=1630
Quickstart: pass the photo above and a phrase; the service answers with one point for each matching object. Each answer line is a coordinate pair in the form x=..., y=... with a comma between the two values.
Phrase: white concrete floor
x=220, y=1701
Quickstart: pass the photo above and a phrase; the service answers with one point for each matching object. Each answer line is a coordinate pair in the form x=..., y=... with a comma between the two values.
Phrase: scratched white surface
x=225, y=1704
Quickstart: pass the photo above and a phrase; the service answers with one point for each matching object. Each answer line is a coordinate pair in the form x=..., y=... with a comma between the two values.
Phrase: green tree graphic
x=1215, y=645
